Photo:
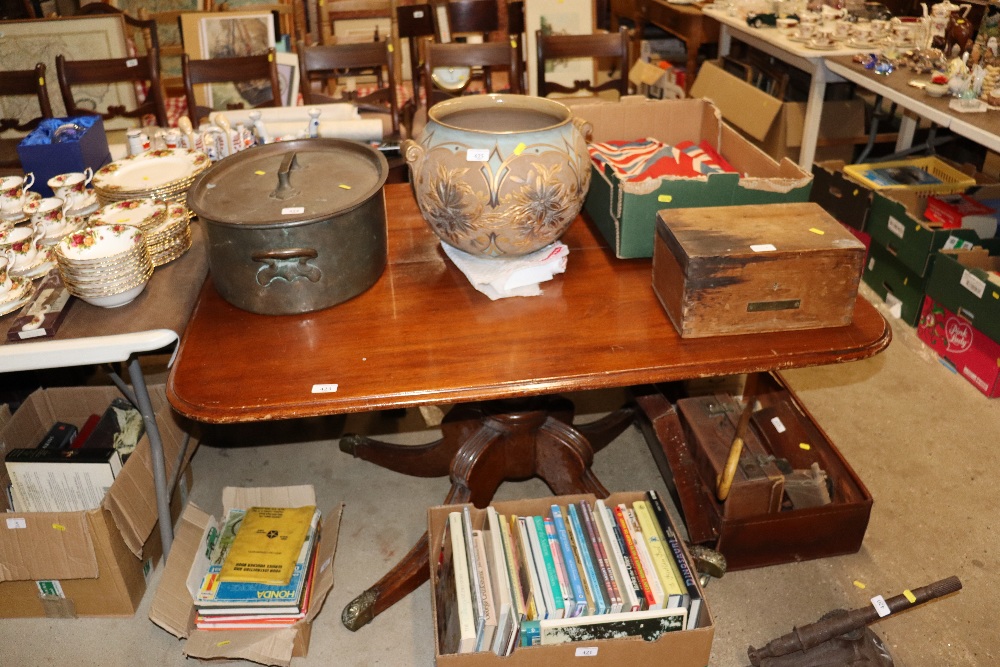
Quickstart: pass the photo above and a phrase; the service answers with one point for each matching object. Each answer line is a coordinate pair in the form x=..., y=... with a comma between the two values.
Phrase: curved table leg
x=602, y=431
x=534, y=438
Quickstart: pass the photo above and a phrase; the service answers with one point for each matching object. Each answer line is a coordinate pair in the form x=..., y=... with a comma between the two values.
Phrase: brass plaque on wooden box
x=744, y=269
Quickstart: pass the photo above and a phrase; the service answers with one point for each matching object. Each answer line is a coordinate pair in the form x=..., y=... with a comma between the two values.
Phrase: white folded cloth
x=499, y=278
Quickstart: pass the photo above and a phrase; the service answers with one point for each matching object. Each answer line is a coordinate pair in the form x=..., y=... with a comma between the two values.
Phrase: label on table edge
x=324, y=388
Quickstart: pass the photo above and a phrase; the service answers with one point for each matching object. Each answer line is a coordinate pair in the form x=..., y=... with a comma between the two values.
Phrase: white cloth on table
x=502, y=277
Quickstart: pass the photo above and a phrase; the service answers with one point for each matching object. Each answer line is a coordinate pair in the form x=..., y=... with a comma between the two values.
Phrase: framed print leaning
x=558, y=17
x=25, y=43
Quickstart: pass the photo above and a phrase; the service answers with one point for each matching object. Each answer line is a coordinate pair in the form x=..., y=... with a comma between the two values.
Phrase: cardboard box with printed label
x=88, y=563
x=173, y=607
x=625, y=211
x=901, y=289
x=686, y=648
x=775, y=125
x=967, y=282
x=974, y=355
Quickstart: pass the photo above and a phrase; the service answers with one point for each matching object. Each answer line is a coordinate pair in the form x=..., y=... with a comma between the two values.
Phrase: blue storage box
x=46, y=159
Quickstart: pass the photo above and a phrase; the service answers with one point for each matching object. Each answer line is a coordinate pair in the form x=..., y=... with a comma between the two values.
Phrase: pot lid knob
x=285, y=189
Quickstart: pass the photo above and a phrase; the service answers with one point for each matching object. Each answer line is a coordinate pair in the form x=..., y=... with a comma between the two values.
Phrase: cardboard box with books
x=259, y=574
x=624, y=208
x=541, y=581
x=96, y=561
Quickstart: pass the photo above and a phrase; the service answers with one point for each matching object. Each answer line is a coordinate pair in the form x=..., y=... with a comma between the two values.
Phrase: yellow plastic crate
x=925, y=175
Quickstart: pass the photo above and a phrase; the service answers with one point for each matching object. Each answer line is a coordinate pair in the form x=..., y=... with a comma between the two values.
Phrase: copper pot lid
x=288, y=183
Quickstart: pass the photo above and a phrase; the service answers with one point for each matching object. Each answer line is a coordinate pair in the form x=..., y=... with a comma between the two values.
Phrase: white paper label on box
x=477, y=155
x=418, y=15
x=871, y=263
x=973, y=283
x=14, y=524
x=324, y=388
x=778, y=426
x=293, y=210
x=763, y=247
x=895, y=305
x=896, y=227
x=588, y=652
x=881, y=608
x=131, y=62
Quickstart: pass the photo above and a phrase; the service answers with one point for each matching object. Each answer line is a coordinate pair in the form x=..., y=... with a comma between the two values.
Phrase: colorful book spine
x=569, y=603
x=569, y=561
x=603, y=559
x=655, y=598
x=463, y=586
x=558, y=609
x=490, y=613
x=478, y=606
x=687, y=574
x=632, y=555
x=663, y=562
x=585, y=555
x=628, y=583
x=540, y=576
x=525, y=569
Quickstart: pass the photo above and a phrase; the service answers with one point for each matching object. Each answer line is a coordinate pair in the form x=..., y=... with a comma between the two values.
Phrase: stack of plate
x=161, y=174
x=105, y=265
x=172, y=238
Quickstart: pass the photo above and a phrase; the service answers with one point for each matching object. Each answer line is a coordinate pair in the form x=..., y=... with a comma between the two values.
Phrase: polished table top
x=423, y=335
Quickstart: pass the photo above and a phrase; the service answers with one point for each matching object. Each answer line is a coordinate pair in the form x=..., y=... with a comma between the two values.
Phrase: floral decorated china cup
x=47, y=213
x=13, y=191
x=24, y=243
x=72, y=187
x=6, y=263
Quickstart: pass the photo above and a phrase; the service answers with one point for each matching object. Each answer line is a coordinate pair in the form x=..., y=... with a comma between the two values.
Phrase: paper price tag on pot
x=477, y=155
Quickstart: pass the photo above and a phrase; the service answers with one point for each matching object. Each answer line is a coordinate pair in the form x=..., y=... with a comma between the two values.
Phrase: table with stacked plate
x=150, y=321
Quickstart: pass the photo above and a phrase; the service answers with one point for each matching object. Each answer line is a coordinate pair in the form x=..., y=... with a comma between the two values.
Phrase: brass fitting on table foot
x=349, y=442
x=359, y=612
x=708, y=561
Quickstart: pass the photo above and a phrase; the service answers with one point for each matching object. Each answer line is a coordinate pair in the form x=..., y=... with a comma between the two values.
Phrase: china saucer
x=41, y=266
x=21, y=216
x=68, y=228
x=89, y=205
x=19, y=294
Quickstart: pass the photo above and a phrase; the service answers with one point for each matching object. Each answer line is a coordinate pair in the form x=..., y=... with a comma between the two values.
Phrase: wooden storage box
x=786, y=536
x=747, y=269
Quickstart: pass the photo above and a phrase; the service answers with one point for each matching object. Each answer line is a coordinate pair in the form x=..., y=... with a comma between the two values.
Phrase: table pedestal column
x=482, y=445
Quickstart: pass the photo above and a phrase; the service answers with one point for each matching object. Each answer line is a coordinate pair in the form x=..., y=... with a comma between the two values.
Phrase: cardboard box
x=845, y=200
x=898, y=224
x=775, y=125
x=173, y=607
x=625, y=212
x=46, y=159
x=748, y=269
x=657, y=83
x=901, y=289
x=689, y=648
x=974, y=355
x=95, y=563
x=967, y=282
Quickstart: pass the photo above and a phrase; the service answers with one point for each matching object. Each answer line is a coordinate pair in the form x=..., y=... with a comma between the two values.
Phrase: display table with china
x=136, y=266
x=804, y=52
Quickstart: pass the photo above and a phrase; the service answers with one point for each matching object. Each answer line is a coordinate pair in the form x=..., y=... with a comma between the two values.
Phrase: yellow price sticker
x=59, y=527
x=855, y=193
x=666, y=199
x=41, y=81
x=519, y=148
x=906, y=280
x=260, y=172
x=908, y=594
x=996, y=296
x=390, y=47
x=805, y=445
x=817, y=231
x=223, y=643
x=344, y=187
x=270, y=57
x=513, y=43
x=859, y=584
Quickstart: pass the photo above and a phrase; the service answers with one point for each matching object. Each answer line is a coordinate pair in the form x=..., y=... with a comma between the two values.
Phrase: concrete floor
x=923, y=440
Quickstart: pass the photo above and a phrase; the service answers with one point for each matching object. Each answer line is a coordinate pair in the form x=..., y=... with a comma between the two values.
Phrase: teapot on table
x=939, y=18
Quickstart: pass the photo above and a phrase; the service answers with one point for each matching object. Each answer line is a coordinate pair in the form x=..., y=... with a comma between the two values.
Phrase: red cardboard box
x=974, y=356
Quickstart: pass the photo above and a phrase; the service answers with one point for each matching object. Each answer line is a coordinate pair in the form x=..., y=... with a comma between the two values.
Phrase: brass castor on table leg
x=359, y=612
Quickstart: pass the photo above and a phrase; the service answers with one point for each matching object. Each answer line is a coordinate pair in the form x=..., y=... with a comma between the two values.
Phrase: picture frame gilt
x=567, y=17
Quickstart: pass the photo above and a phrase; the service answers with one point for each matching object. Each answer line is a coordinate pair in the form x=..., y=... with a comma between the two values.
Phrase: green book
x=550, y=568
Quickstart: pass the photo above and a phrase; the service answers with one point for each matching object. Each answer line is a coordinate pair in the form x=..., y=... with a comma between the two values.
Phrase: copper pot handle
x=285, y=189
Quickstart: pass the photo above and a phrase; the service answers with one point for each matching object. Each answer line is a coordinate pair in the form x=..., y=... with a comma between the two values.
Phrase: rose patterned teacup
x=71, y=187
x=6, y=263
x=47, y=213
x=13, y=191
x=24, y=244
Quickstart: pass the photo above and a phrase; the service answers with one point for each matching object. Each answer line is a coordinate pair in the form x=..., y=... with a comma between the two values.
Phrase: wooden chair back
x=141, y=69
x=598, y=45
x=323, y=62
x=238, y=69
x=488, y=55
x=473, y=17
x=515, y=26
x=22, y=83
x=144, y=26
x=415, y=23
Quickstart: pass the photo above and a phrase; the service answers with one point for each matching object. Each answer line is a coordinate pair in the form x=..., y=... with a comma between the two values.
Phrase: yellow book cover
x=267, y=545
x=661, y=560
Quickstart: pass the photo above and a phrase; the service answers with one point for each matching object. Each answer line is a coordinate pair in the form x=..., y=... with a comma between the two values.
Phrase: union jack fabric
x=648, y=158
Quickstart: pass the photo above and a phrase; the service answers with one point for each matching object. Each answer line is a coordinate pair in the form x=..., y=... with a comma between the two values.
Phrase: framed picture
x=167, y=29
x=32, y=41
x=288, y=78
x=558, y=17
x=224, y=35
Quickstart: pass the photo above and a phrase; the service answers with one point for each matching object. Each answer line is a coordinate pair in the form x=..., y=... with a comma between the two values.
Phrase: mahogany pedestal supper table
x=422, y=335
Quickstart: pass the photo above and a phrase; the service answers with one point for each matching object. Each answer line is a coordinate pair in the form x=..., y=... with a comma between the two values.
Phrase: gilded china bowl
x=500, y=175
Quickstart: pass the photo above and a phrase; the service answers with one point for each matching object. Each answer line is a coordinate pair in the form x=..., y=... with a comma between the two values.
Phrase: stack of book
x=583, y=571
x=260, y=570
